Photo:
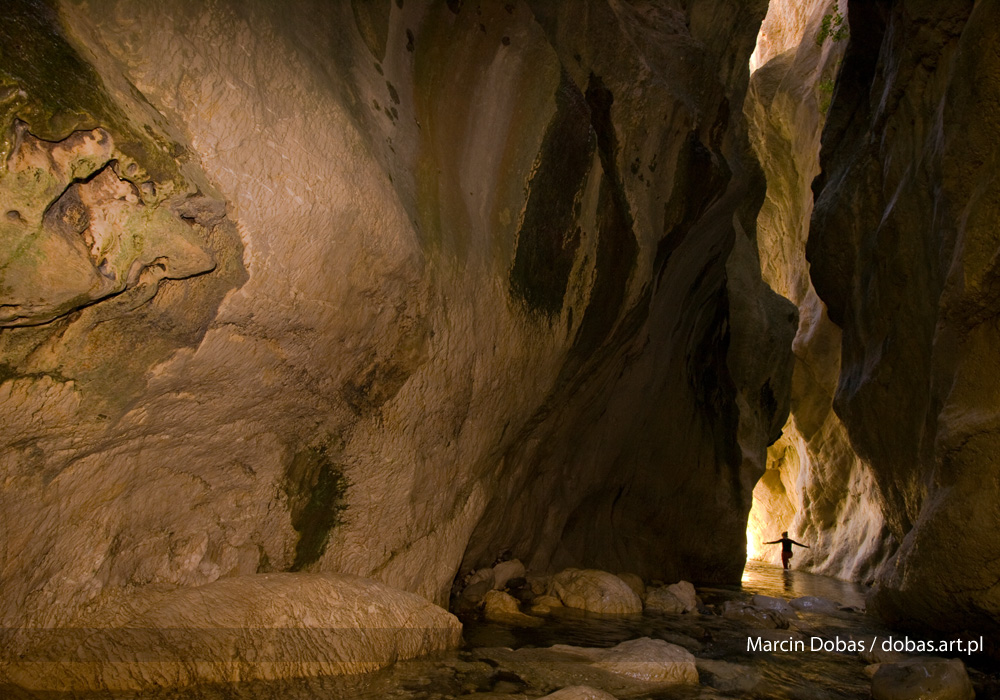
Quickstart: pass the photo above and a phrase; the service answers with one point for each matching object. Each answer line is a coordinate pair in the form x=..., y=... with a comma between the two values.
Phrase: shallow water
x=485, y=670
x=768, y=579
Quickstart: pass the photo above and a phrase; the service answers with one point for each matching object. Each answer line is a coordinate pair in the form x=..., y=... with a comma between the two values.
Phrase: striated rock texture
x=238, y=629
x=816, y=487
x=498, y=290
x=903, y=250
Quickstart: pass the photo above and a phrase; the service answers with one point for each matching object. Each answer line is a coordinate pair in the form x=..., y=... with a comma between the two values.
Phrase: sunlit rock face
x=903, y=251
x=815, y=486
x=439, y=280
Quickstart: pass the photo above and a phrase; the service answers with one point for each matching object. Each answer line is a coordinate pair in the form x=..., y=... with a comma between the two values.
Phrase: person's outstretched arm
x=775, y=542
x=801, y=545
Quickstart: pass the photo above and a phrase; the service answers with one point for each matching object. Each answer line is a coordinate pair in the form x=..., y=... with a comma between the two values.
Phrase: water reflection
x=769, y=579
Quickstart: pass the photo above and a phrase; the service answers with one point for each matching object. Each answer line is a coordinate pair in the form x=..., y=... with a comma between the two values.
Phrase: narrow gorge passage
x=332, y=332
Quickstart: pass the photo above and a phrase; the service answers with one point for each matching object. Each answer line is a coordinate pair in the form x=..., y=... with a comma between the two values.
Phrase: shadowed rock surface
x=903, y=253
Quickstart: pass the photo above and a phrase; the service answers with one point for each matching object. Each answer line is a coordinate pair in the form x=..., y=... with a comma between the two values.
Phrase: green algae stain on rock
x=45, y=83
x=549, y=236
x=316, y=489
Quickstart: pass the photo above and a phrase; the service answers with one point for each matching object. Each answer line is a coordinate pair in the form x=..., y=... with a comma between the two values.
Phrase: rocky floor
x=701, y=654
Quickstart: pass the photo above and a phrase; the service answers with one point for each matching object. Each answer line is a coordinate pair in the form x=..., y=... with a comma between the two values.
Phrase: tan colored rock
x=505, y=571
x=925, y=678
x=634, y=582
x=549, y=600
x=647, y=660
x=238, y=629
x=684, y=592
x=595, y=591
x=579, y=692
x=503, y=608
x=663, y=600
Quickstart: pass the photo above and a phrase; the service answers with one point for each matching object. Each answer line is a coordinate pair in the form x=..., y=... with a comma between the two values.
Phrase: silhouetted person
x=786, y=547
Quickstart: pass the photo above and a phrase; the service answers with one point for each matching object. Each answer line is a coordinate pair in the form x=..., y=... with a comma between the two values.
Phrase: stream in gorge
x=503, y=663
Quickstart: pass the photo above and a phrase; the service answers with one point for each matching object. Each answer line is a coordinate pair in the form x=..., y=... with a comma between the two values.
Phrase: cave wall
x=903, y=250
x=816, y=486
x=472, y=277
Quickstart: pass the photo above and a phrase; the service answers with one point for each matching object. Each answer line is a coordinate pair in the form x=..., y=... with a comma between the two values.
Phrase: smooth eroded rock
x=595, y=591
x=647, y=660
x=579, y=692
x=267, y=626
x=505, y=571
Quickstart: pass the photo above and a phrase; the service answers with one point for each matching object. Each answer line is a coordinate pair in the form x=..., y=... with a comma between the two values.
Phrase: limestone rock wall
x=903, y=250
x=816, y=487
x=485, y=277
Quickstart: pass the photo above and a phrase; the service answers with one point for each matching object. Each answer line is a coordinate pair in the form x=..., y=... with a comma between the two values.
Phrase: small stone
x=474, y=593
x=503, y=608
x=755, y=617
x=684, y=592
x=484, y=574
x=923, y=679
x=579, y=692
x=505, y=571
x=766, y=602
x=647, y=660
x=812, y=603
x=728, y=677
x=663, y=600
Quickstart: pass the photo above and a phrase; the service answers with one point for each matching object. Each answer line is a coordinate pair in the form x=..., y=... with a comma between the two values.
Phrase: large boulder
x=243, y=628
x=595, y=591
